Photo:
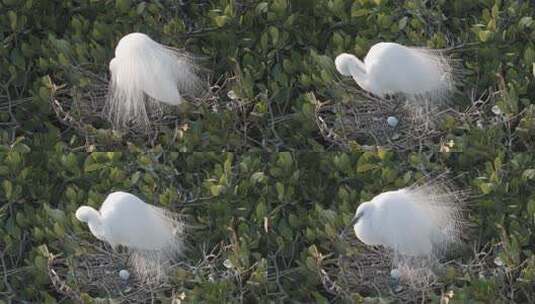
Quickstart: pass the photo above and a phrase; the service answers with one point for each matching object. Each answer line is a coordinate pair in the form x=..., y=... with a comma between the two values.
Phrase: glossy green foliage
x=277, y=214
x=278, y=51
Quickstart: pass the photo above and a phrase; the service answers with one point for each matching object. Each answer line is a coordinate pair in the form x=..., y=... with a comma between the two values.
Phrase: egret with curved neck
x=153, y=235
x=391, y=68
x=416, y=221
x=350, y=65
x=91, y=216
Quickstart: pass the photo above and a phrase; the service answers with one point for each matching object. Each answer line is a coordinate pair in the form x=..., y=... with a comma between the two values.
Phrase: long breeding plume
x=145, y=75
x=417, y=225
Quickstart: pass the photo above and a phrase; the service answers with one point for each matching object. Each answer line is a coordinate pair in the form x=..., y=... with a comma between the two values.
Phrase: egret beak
x=355, y=219
x=351, y=224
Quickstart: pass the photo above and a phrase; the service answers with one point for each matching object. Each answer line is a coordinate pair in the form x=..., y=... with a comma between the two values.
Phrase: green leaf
x=528, y=174
x=486, y=188
x=529, y=56
x=216, y=190
x=280, y=191
x=359, y=12
x=258, y=177
x=525, y=22
x=59, y=231
x=141, y=8
x=8, y=189
x=485, y=35
x=274, y=32
x=531, y=207
x=71, y=194
x=279, y=5
x=43, y=250
x=285, y=160
x=362, y=168
x=94, y=167
x=403, y=23
x=262, y=7
x=135, y=177
x=261, y=211
x=12, y=19
x=220, y=21
x=123, y=5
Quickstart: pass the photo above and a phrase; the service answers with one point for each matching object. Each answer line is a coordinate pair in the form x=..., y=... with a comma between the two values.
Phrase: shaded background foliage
x=278, y=51
x=278, y=212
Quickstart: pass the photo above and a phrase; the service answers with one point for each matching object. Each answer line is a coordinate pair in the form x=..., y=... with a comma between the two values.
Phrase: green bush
x=274, y=212
x=272, y=209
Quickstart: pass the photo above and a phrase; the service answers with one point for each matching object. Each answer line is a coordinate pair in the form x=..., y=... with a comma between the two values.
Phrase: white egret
x=144, y=74
x=415, y=221
x=391, y=68
x=152, y=234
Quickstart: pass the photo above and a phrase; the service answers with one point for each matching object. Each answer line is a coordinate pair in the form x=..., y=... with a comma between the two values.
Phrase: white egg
x=395, y=274
x=124, y=274
x=392, y=121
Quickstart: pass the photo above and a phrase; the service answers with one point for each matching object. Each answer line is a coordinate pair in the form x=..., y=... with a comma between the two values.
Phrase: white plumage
x=145, y=73
x=391, y=68
x=124, y=219
x=152, y=234
x=415, y=221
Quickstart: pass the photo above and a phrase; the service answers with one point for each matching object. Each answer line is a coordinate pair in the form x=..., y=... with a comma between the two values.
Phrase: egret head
x=349, y=65
x=91, y=216
x=343, y=63
x=363, y=212
x=362, y=223
x=87, y=214
x=133, y=41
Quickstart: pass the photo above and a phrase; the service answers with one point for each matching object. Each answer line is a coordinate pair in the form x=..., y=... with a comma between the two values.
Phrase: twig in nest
x=59, y=284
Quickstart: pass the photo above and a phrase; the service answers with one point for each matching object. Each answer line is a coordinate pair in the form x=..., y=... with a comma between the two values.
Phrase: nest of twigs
x=366, y=271
x=94, y=274
x=97, y=275
x=362, y=120
x=83, y=107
